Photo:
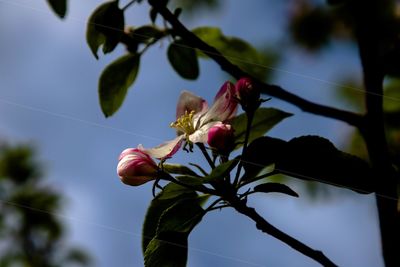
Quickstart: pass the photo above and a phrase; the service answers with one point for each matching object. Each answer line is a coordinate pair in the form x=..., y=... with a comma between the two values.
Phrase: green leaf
x=115, y=81
x=147, y=33
x=105, y=27
x=181, y=217
x=170, y=245
x=237, y=51
x=59, y=7
x=189, y=180
x=171, y=194
x=312, y=158
x=221, y=171
x=264, y=120
x=170, y=250
x=275, y=187
x=178, y=169
x=183, y=59
x=261, y=153
x=172, y=191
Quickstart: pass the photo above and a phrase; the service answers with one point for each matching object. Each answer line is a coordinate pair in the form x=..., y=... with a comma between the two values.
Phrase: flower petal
x=201, y=134
x=188, y=102
x=224, y=106
x=165, y=150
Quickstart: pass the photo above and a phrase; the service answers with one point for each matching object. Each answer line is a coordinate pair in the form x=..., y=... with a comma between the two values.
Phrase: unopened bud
x=135, y=167
x=248, y=94
x=221, y=138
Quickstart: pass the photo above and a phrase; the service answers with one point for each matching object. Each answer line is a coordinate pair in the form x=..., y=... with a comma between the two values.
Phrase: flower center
x=185, y=123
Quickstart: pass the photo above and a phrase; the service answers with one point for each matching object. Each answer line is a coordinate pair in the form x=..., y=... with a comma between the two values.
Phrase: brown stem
x=272, y=90
x=268, y=228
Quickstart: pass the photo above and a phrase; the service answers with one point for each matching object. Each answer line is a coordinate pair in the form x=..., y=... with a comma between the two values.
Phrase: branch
x=369, y=37
x=268, y=228
x=272, y=90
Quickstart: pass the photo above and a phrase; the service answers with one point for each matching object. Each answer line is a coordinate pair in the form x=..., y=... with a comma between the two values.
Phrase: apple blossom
x=194, y=119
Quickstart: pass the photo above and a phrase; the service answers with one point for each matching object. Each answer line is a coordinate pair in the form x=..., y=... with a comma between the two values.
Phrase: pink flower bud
x=135, y=167
x=221, y=138
x=249, y=96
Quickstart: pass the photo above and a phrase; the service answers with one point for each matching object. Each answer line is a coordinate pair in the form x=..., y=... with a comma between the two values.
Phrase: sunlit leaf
x=183, y=59
x=264, y=120
x=222, y=170
x=115, y=81
x=59, y=7
x=237, y=51
x=105, y=27
x=275, y=188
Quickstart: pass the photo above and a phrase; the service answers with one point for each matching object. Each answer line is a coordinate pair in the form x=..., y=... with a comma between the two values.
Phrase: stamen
x=185, y=123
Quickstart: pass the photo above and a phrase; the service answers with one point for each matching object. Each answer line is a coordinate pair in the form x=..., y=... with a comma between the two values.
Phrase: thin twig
x=272, y=90
x=268, y=228
x=206, y=155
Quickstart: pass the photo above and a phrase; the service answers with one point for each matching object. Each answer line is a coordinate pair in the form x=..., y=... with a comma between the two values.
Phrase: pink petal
x=188, y=102
x=165, y=150
x=225, y=104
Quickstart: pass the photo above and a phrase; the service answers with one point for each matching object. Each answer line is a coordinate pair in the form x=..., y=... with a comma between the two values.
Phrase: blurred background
x=51, y=125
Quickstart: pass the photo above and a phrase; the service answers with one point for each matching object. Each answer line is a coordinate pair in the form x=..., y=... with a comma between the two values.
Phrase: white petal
x=188, y=102
x=165, y=150
x=201, y=135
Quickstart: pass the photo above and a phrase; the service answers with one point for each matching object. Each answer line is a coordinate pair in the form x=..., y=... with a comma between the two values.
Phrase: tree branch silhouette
x=351, y=118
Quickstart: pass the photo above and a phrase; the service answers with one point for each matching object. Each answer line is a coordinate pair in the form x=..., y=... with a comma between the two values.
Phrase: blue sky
x=48, y=98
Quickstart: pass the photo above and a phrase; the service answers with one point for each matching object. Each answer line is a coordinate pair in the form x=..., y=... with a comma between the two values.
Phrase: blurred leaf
x=59, y=7
x=77, y=256
x=221, y=171
x=275, y=187
x=178, y=169
x=264, y=120
x=170, y=245
x=183, y=59
x=105, y=27
x=146, y=34
x=311, y=26
x=312, y=158
x=195, y=6
x=115, y=81
x=391, y=101
x=171, y=194
x=17, y=164
x=237, y=51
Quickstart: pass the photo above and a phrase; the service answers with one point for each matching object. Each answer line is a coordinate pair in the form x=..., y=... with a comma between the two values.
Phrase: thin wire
x=63, y=116
x=111, y=228
x=159, y=139
x=238, y=59
x=146, y=136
